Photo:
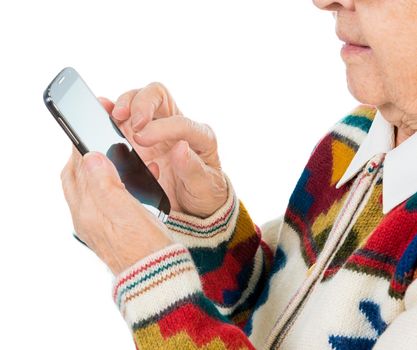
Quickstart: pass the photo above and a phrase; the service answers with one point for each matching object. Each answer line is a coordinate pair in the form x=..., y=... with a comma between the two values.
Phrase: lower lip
x=349, y=49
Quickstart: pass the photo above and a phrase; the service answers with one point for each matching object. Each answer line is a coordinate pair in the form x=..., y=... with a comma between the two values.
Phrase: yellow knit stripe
x=150, y=338
x=244, y=228
x=342, y=156
x=370, y=216
x=365, y=111
x=326, y=220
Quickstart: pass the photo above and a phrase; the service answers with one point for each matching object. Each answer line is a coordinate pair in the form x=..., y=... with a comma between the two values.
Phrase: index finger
x=199, y=136
x=121, y=110
x=152, y=102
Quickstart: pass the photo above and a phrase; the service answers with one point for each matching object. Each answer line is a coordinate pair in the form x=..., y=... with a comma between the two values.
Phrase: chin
x=365, y=85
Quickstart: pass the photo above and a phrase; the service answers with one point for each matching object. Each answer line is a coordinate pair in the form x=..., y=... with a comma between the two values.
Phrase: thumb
x=98, y=165
x=101, y=177
x=107, y=191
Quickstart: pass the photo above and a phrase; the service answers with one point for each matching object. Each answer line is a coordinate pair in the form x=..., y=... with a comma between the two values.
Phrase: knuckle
x=207, y=133
x=157, y=86
x=64, y=186
x=159, y=89
x=65, y=170
x=63, y=174
x=210, y=133
x=121, y=98
x=127, y=96
x=202, y=129
x=188, y=123
x=68, y=191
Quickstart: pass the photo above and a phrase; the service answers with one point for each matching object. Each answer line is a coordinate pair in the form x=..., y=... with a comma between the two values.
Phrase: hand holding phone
x=184, y=150
x=90, y=128
x=107, y=218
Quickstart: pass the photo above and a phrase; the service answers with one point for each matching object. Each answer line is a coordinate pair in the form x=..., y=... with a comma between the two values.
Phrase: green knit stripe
x=360, y=122
x=367, y=111
x=368, y=270
x=147, y=276
x=203, y=230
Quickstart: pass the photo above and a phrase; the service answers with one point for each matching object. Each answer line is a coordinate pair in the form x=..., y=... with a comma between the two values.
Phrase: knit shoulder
x=315, y=195
x=341, y=142
x=353, y=128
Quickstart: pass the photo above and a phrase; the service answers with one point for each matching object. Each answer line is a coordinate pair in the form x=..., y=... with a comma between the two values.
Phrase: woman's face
x=385, y=73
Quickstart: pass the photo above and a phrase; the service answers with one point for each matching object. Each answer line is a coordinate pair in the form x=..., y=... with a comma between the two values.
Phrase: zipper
x=358, y=191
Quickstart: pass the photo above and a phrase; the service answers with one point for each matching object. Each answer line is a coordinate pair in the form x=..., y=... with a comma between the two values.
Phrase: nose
x=335, y=5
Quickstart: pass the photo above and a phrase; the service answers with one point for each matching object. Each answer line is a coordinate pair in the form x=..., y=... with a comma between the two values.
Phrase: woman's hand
x=106, y=217
x=181, y=153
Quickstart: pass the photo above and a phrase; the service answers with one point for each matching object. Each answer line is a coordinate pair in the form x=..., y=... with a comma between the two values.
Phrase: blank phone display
x=91, y=125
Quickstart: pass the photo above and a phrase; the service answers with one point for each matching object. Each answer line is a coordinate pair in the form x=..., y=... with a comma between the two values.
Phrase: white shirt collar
x=400, y=164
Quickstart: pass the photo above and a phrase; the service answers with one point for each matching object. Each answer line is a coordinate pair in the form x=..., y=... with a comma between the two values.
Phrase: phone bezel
x=70, y=75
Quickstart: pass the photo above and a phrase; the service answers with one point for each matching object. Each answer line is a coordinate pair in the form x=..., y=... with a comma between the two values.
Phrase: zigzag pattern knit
x=332, y=273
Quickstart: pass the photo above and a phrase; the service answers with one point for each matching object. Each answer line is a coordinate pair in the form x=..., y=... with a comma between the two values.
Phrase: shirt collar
x=400, y=165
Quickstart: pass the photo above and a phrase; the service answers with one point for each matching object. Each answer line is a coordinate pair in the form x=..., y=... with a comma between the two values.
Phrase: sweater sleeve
x=162, y=300
x=401, y=333
x=231, y=257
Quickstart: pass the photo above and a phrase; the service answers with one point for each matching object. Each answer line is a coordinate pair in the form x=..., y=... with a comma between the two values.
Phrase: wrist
x=120, y=262
x=154, y=284
x=193, y=231
x=123, y=253
x=204, y=207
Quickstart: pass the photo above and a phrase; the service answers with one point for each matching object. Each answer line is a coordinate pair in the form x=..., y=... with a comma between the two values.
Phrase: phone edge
x=164, y=206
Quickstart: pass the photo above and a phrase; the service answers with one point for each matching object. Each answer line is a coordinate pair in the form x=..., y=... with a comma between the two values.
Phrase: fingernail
x=138, y=138
x=137, y=121
x=141, y=133
x=92, y=161
x=118, y=107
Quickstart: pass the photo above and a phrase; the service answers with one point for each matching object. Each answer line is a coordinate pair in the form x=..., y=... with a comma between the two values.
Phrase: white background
x=266, y=75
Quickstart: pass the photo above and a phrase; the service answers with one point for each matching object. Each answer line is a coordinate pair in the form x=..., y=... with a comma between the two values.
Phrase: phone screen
x=91, y=125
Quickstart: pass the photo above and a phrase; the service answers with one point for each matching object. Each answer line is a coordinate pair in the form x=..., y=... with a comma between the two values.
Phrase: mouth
x=349, y=49
x=352, y=46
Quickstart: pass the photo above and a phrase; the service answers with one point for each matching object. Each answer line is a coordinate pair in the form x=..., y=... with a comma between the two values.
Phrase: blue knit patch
x=372, y=312
x=360, y=122
x=230, y=297
x=408, y=263
x=347, y=343
x=411, y=203
x=208, y=259
x=301, y=201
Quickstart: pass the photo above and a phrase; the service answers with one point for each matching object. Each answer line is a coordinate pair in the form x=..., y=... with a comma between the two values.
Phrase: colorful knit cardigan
x=332, y=273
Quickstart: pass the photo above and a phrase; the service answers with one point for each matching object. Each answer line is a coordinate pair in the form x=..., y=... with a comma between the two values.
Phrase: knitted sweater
x=333, y=272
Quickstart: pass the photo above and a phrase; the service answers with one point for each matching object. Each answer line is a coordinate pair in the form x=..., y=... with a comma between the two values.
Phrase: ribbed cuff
x=155, y=283
x=193, y=231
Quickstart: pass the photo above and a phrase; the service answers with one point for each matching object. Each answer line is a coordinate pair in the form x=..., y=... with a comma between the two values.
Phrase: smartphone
x=90, y=128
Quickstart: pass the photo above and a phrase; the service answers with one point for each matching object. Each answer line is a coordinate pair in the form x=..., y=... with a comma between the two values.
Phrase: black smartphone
x=90, y=128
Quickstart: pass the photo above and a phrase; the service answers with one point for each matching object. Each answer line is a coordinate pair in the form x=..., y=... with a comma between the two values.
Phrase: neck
x=403, y=123
x=401, y=135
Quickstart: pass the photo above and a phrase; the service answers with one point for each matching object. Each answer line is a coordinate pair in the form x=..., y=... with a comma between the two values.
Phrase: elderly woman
x=336, y=271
